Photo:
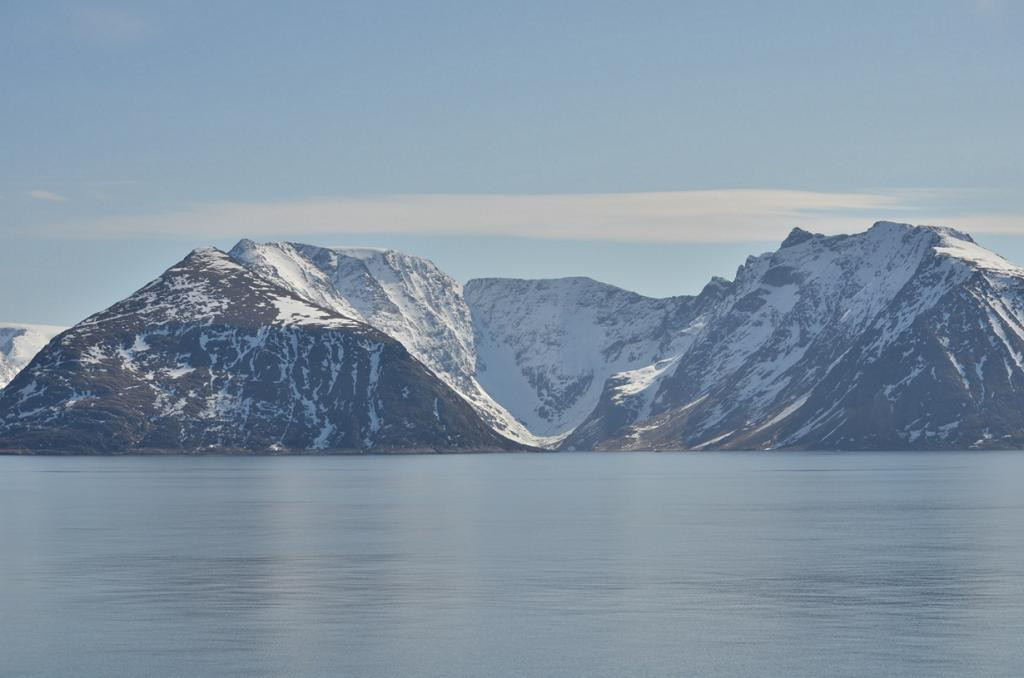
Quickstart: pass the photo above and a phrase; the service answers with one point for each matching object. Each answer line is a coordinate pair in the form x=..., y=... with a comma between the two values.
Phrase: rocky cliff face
x=212, y=357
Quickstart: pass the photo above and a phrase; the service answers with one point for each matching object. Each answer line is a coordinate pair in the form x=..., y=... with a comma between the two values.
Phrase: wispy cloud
x=49, y=196
x=679, y=216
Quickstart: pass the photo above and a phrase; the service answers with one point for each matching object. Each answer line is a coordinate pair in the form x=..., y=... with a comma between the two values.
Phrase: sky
x=650, y=145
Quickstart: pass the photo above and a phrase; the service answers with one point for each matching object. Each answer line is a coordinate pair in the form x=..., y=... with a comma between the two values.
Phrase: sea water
x=525, y=565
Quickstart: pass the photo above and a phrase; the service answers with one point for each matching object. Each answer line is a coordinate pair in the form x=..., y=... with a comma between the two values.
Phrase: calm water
x=514, y=565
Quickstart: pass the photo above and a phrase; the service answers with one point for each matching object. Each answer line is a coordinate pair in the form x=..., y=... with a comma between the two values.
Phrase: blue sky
x=650, y=145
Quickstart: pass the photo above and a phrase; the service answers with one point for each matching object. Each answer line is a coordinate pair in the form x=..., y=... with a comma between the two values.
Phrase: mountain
x=546, y=348
x=826, y=342
x=900, y=337
x=408, y=298
x=211, y=356
x=18, y=345
x=531, y=357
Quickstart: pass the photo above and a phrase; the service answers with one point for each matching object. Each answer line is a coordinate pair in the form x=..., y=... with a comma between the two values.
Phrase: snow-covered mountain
x=546, y=348
x=211, y=356
x=580, y=364
x=532, y=357
x=898, y=337
x=19, y=343
x=405, y=297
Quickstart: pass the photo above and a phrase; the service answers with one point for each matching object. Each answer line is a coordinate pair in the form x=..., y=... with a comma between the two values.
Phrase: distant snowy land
x=900, y=337
x=19, y=343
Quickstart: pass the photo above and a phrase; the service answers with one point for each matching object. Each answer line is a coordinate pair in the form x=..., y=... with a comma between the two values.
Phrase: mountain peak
x=797, y=236
x=244, y=243
x=942, y=231
x=205, y=253
x=717, y=287
x=951, y=244
x=205, y=257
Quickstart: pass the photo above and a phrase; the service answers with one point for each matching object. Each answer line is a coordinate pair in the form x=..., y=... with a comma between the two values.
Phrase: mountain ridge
x=897, y=337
